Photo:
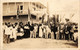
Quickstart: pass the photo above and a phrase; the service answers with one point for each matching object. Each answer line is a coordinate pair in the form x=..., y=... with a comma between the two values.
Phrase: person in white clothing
x=7, y=32
x=11, y=31
x=35, y=30
x=14, y=31
x=4, y=35
x=40, y=31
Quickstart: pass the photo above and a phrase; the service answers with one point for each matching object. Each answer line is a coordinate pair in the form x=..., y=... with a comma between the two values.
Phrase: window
x=21, y=7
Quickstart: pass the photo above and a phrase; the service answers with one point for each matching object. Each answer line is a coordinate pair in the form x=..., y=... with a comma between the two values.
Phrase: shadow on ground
x=72, y=44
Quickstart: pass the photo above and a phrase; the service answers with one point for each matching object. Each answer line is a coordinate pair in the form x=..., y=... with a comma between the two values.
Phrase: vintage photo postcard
x=39, y=24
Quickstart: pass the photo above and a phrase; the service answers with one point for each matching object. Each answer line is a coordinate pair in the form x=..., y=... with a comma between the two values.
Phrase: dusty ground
x=40, y=43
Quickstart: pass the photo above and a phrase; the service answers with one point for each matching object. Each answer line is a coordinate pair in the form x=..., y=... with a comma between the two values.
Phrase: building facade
x=10, y=11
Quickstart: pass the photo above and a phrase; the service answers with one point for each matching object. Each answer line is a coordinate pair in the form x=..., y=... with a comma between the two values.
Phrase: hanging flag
x=29, y=14
x=48, y=13
x=17, y=17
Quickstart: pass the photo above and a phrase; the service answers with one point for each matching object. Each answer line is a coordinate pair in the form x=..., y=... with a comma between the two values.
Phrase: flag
x=29, y=15
x=48, y=13
x=17, y=17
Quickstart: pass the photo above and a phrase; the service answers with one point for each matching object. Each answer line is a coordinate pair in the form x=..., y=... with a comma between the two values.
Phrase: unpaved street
x=41, y=43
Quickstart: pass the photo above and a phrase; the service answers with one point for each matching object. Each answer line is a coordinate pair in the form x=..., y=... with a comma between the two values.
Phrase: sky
x=64, y=7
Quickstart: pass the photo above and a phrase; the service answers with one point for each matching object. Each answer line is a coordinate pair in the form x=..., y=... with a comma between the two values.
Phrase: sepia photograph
x=41, y=24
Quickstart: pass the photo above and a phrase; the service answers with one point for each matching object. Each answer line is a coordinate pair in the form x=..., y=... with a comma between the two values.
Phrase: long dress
x=35, y=31
x=40, y=32
x=11, y=32
x=14, y=32
x=8, y=33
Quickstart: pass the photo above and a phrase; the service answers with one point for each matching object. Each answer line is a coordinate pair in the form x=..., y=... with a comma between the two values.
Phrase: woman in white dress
x=40, y=31
x=4, y=27
x=35, y=30
x=14, y=30
x=8, y=33
x=11, y=31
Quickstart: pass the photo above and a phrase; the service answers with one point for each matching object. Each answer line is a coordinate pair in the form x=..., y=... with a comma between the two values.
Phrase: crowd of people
x=34, y=30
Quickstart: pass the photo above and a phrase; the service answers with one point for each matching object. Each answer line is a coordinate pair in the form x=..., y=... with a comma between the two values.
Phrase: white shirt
x=35, y=28
x=26, y=27
x=7, y=31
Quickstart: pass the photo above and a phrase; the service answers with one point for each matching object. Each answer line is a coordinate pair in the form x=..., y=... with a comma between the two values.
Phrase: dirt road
x=40, y=43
